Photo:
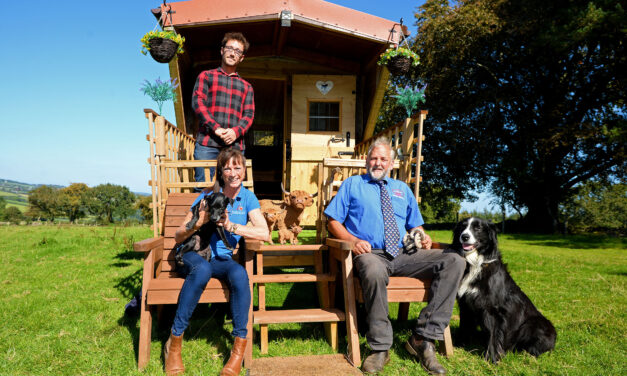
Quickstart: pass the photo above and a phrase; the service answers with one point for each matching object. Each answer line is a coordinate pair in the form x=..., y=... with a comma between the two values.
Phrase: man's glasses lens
x=234, y=50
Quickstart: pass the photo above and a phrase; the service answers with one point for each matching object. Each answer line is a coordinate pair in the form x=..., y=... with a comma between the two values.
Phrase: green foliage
x=43, y=203
x=525, y=98
x=12, y=214
x=143, y=204
x=597, y=206
x=438, y=207
x=160, y=91
x=72, y=201
x=400, y=51
x=162, y=34
x=108, y=201
x=409, y=97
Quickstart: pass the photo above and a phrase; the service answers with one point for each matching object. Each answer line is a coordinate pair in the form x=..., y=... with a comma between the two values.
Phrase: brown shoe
x=375, y=362
x=424, y=351
x=172, y=355
x=234, y=365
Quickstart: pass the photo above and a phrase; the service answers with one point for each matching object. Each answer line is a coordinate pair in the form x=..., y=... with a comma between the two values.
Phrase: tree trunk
x=542, y=216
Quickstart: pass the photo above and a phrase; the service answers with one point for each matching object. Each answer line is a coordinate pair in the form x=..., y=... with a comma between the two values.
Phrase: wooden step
x=291, y=248
x=298, y=315
x=300, y=277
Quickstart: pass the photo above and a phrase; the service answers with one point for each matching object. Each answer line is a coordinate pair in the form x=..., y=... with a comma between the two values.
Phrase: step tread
x=298, y=315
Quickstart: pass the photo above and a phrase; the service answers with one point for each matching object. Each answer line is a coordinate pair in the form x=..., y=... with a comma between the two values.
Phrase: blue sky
x=70, y=101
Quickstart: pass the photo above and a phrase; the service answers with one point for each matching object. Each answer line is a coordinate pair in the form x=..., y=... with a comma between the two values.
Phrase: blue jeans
x=204, y=153
x=197, y=273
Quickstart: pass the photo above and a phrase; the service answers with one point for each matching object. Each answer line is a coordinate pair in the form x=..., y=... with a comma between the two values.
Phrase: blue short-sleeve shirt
x=357, y=205
x=244, y=203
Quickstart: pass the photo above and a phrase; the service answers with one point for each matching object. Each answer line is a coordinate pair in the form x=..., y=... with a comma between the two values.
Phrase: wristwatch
x=234, y=227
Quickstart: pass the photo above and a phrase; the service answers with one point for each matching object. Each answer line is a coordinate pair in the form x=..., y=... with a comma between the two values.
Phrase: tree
x=72, y=201
x=143, y=204
x=43, y=202
x=109, y=200
x=3, y=204
x=597, y=206
x=525, y=98
x=13, y=215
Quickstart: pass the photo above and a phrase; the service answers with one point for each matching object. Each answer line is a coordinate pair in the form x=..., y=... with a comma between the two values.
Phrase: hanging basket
x=399, y=65
x=162, y=49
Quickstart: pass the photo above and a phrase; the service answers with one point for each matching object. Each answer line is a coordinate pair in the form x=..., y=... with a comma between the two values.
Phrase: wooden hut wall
x=310, y=147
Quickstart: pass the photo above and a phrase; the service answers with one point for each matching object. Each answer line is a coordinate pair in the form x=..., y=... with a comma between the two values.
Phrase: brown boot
x=172, y=355
x=424, y=351
x=234, y=365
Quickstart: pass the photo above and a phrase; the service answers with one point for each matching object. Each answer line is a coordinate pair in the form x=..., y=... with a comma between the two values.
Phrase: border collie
x=489, y=298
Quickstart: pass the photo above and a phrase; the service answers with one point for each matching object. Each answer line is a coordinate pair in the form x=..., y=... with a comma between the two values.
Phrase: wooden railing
x=172, y=164
x=407, y=137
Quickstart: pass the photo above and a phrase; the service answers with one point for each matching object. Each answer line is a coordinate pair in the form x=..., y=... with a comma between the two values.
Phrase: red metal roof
x=314, y=12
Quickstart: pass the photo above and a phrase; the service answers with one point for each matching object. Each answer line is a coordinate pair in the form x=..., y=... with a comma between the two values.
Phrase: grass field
x=63, y=291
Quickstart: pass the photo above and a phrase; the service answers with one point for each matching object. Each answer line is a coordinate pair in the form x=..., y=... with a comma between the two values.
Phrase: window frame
x=320, y=100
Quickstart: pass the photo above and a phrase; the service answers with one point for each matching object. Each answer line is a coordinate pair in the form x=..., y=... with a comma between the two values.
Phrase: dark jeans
x=204, y=153
x=197, y=273
x=444, y=268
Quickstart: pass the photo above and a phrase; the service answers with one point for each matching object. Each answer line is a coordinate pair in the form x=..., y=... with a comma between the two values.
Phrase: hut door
x=264, y=141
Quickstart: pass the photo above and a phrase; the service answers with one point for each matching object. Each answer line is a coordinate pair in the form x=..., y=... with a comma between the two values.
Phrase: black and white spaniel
x=490, y=300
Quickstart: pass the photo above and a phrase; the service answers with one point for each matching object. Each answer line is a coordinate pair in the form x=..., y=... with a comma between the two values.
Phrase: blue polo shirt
x=244, y=203
x=357, y=205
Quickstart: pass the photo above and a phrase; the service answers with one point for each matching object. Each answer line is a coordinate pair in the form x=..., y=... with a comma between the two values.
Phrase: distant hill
x=15, y=193
x=17, y=187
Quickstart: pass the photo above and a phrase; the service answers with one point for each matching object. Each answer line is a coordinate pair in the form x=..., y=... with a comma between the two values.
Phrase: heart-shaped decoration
x=324, y=86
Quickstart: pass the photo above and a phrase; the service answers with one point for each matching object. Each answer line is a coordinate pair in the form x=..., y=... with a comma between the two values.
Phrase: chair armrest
x=148, y=245
x=253, y=244
x=344, y=245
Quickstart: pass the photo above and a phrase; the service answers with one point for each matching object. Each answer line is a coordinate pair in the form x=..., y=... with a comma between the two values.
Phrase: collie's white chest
x=475, y=261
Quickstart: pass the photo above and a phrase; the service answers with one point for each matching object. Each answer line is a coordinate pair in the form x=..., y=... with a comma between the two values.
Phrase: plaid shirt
x=222, y=101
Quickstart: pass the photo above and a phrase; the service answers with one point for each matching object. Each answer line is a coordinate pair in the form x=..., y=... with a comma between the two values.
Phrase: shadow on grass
x=130, y=285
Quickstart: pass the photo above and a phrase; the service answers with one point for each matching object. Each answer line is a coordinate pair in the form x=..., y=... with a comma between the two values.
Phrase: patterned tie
x=390, y=229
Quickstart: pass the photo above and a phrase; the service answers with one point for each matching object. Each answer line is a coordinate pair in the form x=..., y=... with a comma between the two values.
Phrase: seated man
x=374, y=212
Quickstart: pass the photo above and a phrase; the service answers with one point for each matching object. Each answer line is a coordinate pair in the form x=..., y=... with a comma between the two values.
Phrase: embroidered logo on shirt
x=398, y=193
x=237, y=211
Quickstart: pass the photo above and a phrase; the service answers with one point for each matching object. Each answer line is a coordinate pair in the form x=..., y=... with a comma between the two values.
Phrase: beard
x=377, y=173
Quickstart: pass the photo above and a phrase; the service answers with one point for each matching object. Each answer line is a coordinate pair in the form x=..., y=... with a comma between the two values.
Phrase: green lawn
x=64, y=289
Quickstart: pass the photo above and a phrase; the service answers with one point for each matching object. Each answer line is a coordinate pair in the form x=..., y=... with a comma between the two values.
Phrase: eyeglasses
x=236, y=51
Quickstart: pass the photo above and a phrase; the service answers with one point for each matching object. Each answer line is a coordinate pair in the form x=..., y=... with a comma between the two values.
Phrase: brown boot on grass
x=234, y=365
x=172, y=355
x=424, y=351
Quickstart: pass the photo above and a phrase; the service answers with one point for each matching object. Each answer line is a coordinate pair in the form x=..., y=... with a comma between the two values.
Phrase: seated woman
x=198, y=271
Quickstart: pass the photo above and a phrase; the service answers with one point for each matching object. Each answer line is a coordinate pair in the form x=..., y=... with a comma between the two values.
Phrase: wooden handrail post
x=160, y=139
x=421, y=119
x=408, y=139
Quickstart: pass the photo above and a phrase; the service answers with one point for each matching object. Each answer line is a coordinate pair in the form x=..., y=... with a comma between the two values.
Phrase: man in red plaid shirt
x=224, y=103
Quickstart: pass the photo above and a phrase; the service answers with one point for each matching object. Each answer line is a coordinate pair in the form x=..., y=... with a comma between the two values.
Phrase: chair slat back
x=333, y=171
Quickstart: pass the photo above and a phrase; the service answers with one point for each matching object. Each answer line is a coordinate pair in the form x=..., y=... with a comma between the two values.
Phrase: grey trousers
x=445, y=268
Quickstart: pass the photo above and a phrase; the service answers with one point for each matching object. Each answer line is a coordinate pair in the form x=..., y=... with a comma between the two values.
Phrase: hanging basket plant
x=399, y=60
x=162, y=45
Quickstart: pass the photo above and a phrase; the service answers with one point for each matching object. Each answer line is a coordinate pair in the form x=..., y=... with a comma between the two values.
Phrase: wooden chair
x=403, y=290
x=162, y=285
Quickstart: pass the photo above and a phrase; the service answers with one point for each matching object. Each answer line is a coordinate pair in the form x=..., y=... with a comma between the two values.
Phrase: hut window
x=324, y=116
